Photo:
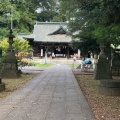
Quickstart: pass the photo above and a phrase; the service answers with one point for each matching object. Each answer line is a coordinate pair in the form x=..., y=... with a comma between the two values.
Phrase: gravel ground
x=103, y=107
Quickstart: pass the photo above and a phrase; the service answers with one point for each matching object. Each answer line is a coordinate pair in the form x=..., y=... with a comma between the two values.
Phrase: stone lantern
x=10, y=68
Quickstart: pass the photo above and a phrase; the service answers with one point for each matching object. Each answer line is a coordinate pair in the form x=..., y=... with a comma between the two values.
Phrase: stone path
x=52, y=95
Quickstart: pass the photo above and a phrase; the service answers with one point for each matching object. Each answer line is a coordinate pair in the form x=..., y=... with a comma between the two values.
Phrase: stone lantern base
x=10, y=69
x=2, y=86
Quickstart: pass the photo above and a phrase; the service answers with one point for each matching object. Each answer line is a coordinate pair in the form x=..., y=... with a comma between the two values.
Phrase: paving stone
x=52, y=95
x=75, y=117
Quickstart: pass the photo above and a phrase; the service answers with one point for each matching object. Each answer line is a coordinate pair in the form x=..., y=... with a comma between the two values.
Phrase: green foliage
x=67, y=9
x=18, y=45
x=47, y=10
x=108, y=34
x=46, y=15
x=24, y=14
x=93, y=22
x=21, y=48
x=25, y=62
x=104, y=17
x=4, y=46
x=41, y=65
x=3, y=33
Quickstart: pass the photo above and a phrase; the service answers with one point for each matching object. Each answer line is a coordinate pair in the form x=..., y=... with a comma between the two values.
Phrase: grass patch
x=73, y=65
x=42, y=65
x=104, y=107
x=13, y=84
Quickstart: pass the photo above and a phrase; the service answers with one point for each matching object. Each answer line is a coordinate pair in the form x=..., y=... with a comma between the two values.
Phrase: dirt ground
x=104, y=107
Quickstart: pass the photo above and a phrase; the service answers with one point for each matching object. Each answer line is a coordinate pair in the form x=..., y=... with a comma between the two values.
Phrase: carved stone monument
x=108, y=86
x=102, y=69
x=115, y=68
x=10, y=68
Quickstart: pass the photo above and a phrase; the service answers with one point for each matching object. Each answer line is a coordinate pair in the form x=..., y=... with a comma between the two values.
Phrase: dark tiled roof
x=61, y=30
x=25, y=36
x=49, y=32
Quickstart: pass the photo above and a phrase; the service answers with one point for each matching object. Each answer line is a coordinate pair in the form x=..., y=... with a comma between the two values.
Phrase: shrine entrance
x=58, y=50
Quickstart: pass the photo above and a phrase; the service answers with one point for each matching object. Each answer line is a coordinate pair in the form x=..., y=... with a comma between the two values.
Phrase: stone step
x=110, y=83
x=109, y=87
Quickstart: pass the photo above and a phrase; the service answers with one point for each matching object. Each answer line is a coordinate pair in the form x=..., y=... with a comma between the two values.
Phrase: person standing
x=74, y=60
x=91, y=55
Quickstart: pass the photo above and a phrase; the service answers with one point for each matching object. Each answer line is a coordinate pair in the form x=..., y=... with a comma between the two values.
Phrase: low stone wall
x=55, y=60
x=110, y=87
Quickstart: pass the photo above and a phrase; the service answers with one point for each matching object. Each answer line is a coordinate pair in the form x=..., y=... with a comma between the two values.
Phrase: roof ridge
x=37, y=23
x=58, y=31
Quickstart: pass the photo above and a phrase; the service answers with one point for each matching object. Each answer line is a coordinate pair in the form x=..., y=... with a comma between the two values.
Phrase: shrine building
x=50, y=38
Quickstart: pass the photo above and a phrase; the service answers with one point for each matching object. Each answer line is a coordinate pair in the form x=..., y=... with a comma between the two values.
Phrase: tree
x=47, y=10
x=66, y=10
x=91, y=23
x=106, y=18
x=46, y=15
x=21, y=45
x=4, y=46
x=4, y=18
x=23, y=14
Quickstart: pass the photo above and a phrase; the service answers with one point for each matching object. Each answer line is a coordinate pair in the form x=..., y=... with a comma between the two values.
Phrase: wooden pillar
x=68, y=52
x=65, y=51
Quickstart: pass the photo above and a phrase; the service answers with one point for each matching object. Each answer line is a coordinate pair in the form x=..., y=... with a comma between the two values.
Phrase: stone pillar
x=102, y=68
x=53, y=54
x=46, y=51
x=10, y=68
x=41, y=52
x=79, y=52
